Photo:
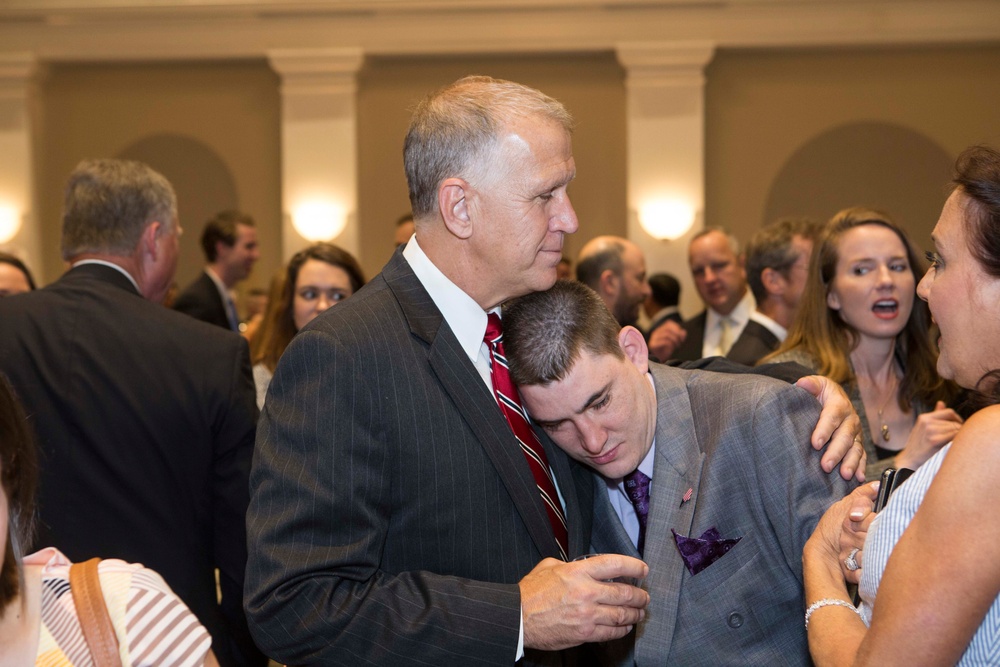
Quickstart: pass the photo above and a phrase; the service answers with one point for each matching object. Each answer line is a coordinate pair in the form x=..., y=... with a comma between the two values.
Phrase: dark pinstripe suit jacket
x=391, y=512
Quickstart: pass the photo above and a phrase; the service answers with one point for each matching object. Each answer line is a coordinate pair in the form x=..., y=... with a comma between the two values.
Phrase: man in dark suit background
x=394, y=517
x=661, y=305
x=710, y=478
x=145, y=417
x=229, y=241
x=721, y=280
x=777, y=261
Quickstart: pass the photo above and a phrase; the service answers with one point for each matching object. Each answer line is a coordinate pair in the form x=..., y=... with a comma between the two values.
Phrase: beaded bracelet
x=826, y=602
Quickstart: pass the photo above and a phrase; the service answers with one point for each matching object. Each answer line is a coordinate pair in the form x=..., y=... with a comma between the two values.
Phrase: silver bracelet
x=827, y=602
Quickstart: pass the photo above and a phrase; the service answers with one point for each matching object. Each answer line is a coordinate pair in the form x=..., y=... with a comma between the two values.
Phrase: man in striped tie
x=403, y=511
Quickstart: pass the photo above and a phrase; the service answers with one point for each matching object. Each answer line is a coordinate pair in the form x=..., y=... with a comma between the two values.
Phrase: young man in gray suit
x=709, y=478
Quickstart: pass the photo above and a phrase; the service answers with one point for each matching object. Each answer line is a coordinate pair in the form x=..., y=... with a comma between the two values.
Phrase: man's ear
x=773, y=282
x=454, y=206
x=609, y=283
x=149, y=238
x=633, y=344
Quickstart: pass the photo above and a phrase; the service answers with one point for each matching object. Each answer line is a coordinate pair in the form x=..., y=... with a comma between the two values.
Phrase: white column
x=318, y=140
x=17, y=206
x=665, y=86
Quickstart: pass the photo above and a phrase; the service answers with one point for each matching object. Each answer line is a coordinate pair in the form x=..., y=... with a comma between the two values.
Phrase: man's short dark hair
x=666, y=289
x=222, y=227
x=590, y=268
x=771, y=248
x=544, y=332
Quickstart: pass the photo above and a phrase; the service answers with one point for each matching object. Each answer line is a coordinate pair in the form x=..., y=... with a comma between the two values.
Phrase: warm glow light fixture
x=319, y=220
x=10, y=222
x=667, y=219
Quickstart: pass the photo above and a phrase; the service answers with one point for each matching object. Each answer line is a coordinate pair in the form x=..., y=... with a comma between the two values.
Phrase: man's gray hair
x=590, y=268
x=734, y=243
x=454, y=132
x=108, y=205
x=544, y=332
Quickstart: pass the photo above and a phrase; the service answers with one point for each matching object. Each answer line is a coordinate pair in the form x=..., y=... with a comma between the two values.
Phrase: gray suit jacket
x=392, y=512
x=741, y=444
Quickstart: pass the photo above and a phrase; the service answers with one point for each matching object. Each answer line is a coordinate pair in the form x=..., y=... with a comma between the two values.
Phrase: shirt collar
x=113, y=266
x=464, y=316
x=738, y=317
x=224, y=292
x=779, y=331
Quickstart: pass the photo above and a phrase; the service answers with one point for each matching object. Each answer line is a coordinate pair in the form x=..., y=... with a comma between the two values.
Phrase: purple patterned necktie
x=637, y=490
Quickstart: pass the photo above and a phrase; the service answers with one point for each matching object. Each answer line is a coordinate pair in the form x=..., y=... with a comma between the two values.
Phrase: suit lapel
x=677, y=467
x=463, y=384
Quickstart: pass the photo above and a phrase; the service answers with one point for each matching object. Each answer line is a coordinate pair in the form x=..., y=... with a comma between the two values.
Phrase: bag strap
x=95, y=621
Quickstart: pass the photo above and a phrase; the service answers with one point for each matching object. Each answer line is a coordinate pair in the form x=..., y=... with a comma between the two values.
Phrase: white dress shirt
x=738, y=319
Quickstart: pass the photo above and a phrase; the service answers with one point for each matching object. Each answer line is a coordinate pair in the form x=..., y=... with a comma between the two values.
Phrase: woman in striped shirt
x=936, y=601
x=39, y=623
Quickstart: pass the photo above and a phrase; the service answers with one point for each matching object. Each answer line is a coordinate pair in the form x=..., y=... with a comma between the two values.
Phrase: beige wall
x=591, y=87
x=785, y=130
x=211, y=128
x=873, y=127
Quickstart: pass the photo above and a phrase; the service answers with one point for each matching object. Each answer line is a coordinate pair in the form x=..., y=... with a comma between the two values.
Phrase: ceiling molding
x=129, y=30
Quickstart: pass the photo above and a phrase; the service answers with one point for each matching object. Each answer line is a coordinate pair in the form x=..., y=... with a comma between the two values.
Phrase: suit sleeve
x=322, y=505
x=233, y=434
x=795, y=490
x=789, y=372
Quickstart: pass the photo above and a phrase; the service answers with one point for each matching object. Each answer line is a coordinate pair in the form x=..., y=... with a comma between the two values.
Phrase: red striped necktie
x=510, y=405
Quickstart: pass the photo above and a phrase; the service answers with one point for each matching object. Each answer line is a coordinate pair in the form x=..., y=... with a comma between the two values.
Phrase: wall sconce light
x=319, y=220
x=666, y=219
x=10, y=222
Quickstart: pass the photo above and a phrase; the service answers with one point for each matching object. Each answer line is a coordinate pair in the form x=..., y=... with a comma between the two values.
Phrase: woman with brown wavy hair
x=315, y=279
x=860, y=324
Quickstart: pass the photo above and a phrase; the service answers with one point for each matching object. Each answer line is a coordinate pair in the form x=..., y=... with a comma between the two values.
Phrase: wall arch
x=202, y=180
x=881, y=165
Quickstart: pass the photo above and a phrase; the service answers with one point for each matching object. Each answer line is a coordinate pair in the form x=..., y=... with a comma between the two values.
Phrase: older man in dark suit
x=395, y=517
x=402, y=511
x=144, y=417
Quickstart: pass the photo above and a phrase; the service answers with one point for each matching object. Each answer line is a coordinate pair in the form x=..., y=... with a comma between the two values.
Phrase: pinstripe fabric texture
x=883, y=534
x=534, y=453
x=391, y=514
x=741, y=444
x=153, y=626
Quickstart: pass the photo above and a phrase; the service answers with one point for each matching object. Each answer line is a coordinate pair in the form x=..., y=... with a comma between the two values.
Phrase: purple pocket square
x=700, y=552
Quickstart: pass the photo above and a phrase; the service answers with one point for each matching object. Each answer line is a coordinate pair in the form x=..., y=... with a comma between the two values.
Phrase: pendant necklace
x=892, y=392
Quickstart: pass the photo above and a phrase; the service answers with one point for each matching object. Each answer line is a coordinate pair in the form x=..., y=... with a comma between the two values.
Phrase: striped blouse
x=153, y=626
x=883, y=533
